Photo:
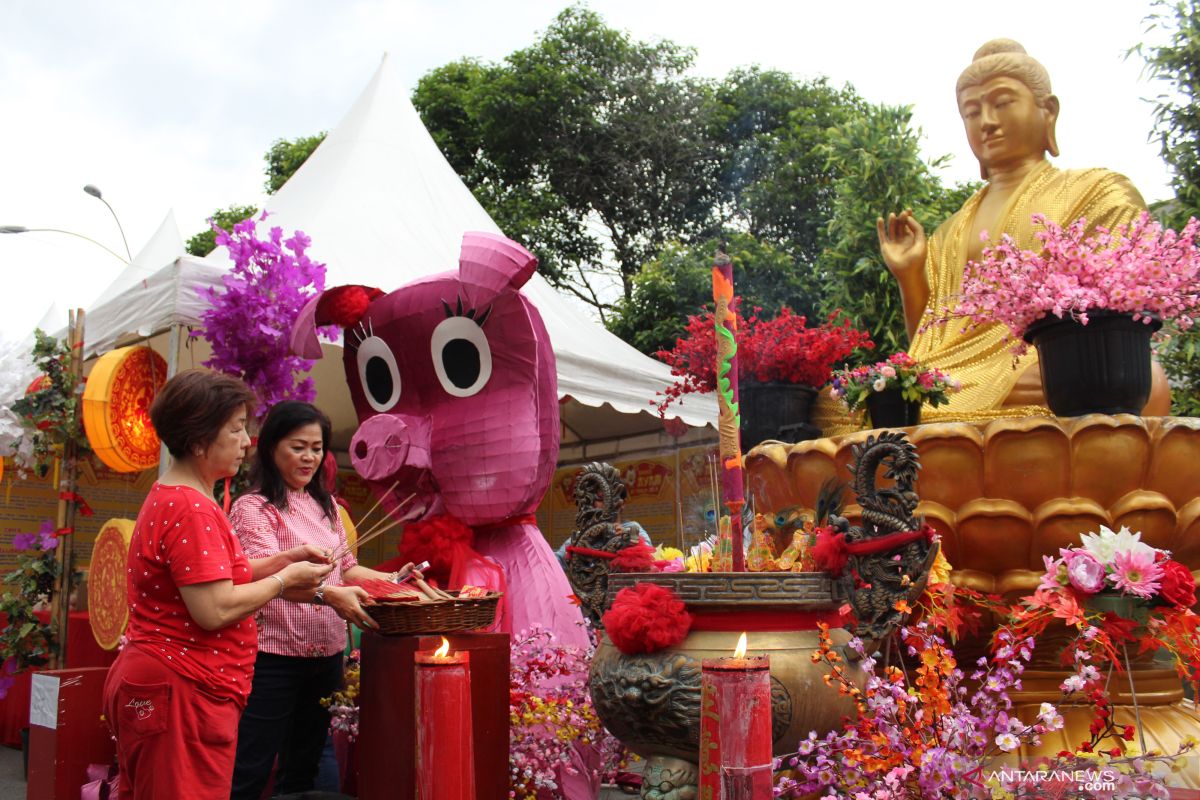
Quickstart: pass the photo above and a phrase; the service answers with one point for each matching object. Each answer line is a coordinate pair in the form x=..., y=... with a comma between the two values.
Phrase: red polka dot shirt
x=182, y=538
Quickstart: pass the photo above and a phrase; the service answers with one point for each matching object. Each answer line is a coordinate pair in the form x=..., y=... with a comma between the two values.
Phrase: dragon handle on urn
x=600, y=495
x=885, y=578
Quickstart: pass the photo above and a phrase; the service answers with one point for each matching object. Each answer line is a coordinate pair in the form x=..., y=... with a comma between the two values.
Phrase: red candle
x=735, y=726
x=445, y=754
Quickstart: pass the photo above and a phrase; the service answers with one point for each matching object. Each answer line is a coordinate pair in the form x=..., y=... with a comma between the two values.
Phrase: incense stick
x=371, y=534
x=378, y=500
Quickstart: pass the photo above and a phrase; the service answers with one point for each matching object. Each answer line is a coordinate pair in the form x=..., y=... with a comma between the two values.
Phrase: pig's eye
x=461, y=356
x=378, y=372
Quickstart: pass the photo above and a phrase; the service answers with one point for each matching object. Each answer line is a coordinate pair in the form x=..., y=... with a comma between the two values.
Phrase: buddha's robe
x=980, y=357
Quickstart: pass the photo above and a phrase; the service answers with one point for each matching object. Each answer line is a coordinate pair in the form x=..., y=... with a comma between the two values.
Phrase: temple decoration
x=600, y=495
x=885, y=561
x=453, y=380
x=1002, y=494
x=108, y=605
x=729, y=422
x=116, y=408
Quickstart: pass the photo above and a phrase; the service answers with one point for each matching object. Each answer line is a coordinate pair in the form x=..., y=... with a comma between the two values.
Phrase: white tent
x=384, y=207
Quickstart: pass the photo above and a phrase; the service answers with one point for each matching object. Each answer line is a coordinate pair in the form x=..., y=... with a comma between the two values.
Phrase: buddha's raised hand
x=902, y=244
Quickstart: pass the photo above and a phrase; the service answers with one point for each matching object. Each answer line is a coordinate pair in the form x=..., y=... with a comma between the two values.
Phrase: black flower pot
x=889, y=409
x=780, y=411
x=1099, y=368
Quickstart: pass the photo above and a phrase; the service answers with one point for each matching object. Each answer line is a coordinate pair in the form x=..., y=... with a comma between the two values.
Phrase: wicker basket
x=439, y=616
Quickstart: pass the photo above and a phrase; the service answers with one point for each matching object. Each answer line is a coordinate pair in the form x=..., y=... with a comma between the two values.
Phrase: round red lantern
x=116, y=407
x=108, y=605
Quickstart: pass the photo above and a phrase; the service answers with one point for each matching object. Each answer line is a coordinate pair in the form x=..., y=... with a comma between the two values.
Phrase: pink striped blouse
x=286, y=628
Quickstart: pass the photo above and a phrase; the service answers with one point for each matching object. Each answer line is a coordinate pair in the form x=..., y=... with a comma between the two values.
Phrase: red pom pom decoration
x=646, y=618
x=829, y=552
x=345, y=305
x=635, y=558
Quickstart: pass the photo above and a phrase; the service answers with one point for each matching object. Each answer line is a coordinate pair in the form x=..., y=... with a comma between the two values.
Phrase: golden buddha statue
x=1009, y=114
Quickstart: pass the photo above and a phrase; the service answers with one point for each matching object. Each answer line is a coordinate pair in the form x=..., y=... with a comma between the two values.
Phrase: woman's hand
x=404, y=572
x=307, y=552
x=347, y=602
x=304, y=574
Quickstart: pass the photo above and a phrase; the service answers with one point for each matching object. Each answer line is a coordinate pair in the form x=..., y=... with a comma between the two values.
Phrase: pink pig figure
x=453, y=379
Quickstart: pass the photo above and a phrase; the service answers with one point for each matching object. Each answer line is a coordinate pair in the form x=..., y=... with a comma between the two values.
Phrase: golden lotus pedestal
x=1003, y=493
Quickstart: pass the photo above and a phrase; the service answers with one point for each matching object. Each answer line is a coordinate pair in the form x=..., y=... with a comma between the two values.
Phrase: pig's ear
x=494, y=263
x=342, y=305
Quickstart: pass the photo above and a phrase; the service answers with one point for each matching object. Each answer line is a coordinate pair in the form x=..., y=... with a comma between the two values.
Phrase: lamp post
x=23, y=229
x=94, y=191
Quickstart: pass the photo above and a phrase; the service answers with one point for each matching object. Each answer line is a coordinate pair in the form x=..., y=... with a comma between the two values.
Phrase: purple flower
x=1083, y=570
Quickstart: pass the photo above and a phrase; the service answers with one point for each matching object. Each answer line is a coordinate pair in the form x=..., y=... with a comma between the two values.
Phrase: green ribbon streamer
x=724, y=385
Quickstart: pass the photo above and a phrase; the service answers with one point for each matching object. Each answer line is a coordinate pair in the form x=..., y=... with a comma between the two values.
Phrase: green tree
x=877, y=159
x=585, y=145
x=205, y=242
x=1176, y=63
x=286, y=156
x=678, y=283
x=775, y=182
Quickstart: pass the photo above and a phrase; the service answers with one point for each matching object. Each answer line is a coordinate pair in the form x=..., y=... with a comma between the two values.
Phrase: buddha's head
x=1006, y=105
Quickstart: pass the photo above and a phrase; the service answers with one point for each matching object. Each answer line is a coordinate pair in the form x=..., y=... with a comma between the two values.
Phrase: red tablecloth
x=82, y=651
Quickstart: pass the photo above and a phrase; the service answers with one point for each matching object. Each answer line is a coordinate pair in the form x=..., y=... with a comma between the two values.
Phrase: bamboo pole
x=60, y=602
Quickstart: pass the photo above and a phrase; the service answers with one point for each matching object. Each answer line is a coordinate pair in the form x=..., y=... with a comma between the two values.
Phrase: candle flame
x=740, y=650
x=444, y=649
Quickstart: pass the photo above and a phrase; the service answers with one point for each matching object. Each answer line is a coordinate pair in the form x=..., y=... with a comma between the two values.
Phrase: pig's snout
x=387, y=443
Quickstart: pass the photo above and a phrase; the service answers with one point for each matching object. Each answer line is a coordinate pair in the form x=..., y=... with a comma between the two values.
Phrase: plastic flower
x=1106, y=544
x=1140, y=268
x=1083, y=570
x=1137, y=573
x=782, y=349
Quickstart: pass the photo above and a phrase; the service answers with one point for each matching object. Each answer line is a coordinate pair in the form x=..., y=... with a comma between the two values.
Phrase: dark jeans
x=284, y=716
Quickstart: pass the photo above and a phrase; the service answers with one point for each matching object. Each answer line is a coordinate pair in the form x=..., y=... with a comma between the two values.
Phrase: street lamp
x=23, y=229
x=94, y=191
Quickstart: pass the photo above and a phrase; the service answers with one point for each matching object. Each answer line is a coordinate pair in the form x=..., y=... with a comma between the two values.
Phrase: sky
x=171, y=105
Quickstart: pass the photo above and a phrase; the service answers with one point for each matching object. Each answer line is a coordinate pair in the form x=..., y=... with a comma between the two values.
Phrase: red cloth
x=182, y=538
x=285, y=628
x=174, y=738
x=82, y=651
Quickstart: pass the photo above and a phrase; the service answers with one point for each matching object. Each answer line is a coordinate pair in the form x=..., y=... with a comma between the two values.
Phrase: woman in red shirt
x=175, y=693
x=299, y=646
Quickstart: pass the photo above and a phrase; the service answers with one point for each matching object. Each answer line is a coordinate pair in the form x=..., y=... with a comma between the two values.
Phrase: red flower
x=1178, y=585
x=781, y=350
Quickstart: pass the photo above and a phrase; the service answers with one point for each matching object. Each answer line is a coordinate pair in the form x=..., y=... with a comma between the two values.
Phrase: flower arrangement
x=551, y=714
x=343, y=704
x=48, y=409
x=917, y=383
x=1140, y=268
x=782, y=349
x=1157, y=593
x=26, y=641
x=932, y=734
x=248, y=322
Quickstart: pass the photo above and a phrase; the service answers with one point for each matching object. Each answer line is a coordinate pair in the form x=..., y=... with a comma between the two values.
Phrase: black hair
x=282, y=420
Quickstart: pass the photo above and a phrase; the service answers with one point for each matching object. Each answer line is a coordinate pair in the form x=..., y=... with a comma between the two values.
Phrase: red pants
x=175, y=739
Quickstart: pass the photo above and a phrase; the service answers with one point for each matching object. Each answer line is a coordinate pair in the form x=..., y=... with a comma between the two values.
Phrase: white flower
x=1050, y=717
x=1007, y=742
x=880, y=384
x=1106, y=545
